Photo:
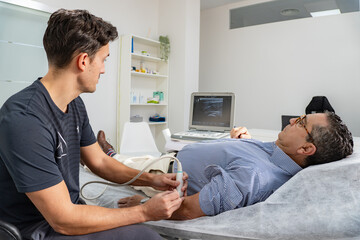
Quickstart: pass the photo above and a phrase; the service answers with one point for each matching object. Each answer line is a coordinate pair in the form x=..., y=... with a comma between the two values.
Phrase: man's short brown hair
x=70, y=32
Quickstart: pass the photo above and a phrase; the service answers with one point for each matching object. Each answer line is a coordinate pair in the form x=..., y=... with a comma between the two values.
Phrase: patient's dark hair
x=70, y=32
x=332, y=142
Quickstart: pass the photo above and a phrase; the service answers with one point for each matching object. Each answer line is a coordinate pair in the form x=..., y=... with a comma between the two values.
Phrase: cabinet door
x=22, y=58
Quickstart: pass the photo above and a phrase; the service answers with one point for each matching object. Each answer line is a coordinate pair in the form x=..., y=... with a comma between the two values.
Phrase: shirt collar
x=283, y=161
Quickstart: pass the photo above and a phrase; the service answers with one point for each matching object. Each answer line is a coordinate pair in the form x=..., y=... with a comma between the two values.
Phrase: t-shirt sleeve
x=28, y=152
x=87, y=135
x=230, y=188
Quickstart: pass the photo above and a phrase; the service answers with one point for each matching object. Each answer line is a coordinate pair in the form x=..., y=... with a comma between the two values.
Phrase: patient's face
x=294, y=135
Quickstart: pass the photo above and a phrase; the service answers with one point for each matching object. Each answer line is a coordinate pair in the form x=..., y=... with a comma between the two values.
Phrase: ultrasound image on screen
x=212, y=111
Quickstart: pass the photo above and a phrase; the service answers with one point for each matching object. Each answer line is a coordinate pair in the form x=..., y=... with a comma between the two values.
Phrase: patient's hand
x=240, y=132
x=130, y=201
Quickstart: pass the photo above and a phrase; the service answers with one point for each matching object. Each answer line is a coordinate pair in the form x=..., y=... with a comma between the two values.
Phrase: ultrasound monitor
x=212, y=111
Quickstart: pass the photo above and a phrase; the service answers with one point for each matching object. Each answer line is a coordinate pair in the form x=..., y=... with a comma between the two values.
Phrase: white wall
x=276, y=68
x=181, y=21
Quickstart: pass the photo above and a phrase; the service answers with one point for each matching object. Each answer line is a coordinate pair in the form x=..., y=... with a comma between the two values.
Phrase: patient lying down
x=231, y=173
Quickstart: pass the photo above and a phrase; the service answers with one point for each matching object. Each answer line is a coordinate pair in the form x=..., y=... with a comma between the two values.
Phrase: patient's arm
x=130, y=201
x=189, y=209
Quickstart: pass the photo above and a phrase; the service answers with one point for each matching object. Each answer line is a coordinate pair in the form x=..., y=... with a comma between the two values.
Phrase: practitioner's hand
x=161, y=206
x=240, y=132
x=185, y=185
x=168, y=182
x=130, y=201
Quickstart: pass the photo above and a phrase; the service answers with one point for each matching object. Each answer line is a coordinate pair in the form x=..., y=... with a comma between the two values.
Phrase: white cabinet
x=21, y=31
x=142, y=73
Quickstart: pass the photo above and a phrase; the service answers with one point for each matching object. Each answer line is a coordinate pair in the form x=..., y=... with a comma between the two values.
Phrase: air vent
x=284, y=10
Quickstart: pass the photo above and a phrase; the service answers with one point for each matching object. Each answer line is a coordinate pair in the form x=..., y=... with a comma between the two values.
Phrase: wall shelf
x=140, y=85
x=148, y=104
x=157, y=123
x=140, y=74
x=142, y=57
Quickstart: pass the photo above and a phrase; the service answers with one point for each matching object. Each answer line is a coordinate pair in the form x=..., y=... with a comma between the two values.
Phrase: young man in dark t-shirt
x=44, y=129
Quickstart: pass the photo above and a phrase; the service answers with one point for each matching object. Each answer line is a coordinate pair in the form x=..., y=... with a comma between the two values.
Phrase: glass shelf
x=148, y=104
x=142, y=57
x=157, y=123
x=147, y=75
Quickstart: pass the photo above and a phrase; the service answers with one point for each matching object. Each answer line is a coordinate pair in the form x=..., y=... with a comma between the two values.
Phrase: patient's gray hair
x=332, y=142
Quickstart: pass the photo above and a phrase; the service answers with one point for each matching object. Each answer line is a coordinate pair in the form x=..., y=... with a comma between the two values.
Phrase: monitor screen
x=212, y=112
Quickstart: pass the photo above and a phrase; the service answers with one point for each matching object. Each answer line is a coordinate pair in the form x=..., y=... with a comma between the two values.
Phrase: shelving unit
x=154, y=78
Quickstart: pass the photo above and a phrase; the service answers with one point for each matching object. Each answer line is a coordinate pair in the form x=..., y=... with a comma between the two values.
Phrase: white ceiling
x=205, y=4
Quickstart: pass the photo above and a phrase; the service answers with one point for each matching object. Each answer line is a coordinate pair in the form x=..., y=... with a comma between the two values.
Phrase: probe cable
x=178, y=175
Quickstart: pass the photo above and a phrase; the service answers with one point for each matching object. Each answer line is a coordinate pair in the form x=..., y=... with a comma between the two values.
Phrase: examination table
x=319, y=202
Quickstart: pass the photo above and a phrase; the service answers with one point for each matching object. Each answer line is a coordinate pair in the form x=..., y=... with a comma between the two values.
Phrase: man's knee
x=136, y=232
x=131, y=232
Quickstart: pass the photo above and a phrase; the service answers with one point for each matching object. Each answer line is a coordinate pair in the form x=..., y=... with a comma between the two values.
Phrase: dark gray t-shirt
x=39, y=147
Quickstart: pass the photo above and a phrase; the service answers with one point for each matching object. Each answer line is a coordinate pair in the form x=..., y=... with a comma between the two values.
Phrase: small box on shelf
x=136, y=118
x=156, y=118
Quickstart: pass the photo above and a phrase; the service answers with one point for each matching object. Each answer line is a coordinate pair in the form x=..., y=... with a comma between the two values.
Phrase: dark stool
x=9, y=231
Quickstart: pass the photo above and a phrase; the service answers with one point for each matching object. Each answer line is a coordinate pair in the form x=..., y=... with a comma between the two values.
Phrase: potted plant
x=164, y=47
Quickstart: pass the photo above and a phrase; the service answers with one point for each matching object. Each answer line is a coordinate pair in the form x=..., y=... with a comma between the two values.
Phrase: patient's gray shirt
x=233, y=173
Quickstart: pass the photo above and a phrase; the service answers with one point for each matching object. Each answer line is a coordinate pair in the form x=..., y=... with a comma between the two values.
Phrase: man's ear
x=82, y=61
x=307, y=149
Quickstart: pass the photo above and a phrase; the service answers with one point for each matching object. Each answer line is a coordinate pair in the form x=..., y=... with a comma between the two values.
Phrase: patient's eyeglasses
x=301, y=122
